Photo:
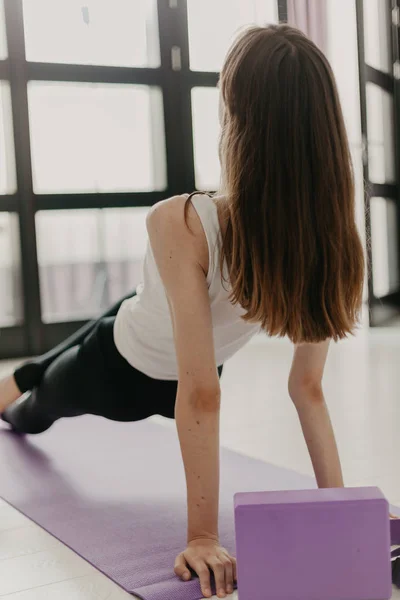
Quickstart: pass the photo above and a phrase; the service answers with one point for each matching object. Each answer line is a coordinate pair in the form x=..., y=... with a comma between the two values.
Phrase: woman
x=276, y=250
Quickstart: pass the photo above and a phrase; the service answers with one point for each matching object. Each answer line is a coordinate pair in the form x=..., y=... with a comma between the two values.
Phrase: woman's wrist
x=193, y=537
x=203, y=519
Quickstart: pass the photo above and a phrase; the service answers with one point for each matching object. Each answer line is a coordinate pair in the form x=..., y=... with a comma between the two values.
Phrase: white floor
x=362, y=386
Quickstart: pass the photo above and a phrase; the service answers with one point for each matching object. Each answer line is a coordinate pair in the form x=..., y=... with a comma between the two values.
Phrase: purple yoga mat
x=115, y=494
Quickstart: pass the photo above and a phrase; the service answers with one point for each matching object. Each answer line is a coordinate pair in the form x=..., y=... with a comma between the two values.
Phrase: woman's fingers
x=181, y=569
x=224, y=569
x=228, y=568
x=203, y=572
x=234, y=569
x=218, y=569
x=204, y=561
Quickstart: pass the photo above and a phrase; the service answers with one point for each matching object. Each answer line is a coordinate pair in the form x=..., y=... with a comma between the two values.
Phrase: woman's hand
x=203, y=556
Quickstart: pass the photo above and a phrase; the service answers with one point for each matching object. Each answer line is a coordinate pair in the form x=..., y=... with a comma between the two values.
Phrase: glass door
x=378, y=33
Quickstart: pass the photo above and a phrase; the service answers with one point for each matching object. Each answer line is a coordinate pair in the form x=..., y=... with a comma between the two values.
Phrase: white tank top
x=143, y=329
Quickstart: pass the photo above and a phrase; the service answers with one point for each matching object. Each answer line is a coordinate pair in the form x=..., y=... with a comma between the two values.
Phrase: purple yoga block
x=331, y=544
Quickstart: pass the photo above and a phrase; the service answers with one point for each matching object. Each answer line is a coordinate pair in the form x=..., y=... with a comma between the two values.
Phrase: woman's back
x=143, y=329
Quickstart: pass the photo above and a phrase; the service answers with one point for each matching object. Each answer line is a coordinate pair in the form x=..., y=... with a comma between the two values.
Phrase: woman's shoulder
x=176, y=219
x=178, y=215
x=167, y=218
x=167, y=211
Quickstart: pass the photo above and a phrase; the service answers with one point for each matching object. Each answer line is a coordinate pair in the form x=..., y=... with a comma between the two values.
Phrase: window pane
x=377, y=32
x=385, y=263
x=381, y=148
x=206, y=130
x=214, y=23
x=8, y=182
x=88, y=259
x=342, y=52
x=3, y=37
x=96, y=137
x=10, y=275
x=120, y=33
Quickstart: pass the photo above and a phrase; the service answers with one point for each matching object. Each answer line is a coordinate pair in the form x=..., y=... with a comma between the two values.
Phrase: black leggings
x=87, y=375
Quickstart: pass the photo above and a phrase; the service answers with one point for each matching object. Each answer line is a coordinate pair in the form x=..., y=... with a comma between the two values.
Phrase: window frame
x=384, y=308
x=34, y=336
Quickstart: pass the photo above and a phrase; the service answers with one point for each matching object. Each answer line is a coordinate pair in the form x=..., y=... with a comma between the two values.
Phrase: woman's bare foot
x=9, y=392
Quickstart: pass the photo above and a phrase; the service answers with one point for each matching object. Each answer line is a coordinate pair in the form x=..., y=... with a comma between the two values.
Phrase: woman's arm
x=179, y=256
x=305, y=389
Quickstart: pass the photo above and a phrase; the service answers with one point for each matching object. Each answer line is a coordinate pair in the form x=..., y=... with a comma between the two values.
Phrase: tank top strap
x=208, y=215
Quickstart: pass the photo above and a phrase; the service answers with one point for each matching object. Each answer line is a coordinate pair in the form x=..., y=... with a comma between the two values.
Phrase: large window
x=109, y=107
x=105, y=108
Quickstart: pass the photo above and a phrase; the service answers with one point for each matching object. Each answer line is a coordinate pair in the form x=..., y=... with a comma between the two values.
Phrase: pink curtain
x=310, y=17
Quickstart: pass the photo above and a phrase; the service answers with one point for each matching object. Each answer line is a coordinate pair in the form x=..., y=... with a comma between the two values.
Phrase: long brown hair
x=291, y=246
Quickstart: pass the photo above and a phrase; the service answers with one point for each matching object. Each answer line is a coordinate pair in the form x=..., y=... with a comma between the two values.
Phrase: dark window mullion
x=13, y=342
x=92, y=73
x=8, y=203
x=97, y=200
x=172, y=16
x=4, y=69
x=383, y=190
x=25, y=202
x=201, y=79
x=379, y=78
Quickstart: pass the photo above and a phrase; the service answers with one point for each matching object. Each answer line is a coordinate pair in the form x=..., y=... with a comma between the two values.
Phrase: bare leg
x=9, y=392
